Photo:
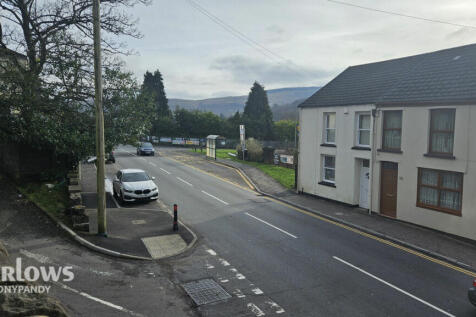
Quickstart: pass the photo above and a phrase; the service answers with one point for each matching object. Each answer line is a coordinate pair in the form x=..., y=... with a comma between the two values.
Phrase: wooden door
x=388, y=189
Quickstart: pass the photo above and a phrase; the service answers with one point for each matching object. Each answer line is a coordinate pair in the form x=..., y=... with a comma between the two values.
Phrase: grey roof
x=446, y=76
x=214, y=137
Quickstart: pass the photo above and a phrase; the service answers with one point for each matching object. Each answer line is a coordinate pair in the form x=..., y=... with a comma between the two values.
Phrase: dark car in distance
x=145, y=148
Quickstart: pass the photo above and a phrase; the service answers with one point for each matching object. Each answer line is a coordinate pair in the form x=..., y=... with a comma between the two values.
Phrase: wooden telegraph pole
x=101, y=192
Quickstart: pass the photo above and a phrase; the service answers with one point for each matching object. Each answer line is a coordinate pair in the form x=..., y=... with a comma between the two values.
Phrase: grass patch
x=283, y=175
x=221, y=153
x=54, y=200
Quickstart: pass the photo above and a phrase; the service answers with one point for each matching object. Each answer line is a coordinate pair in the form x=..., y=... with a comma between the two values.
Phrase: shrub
x=254, y=150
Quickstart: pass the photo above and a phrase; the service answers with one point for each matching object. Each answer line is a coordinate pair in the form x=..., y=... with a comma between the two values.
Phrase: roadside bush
x=254, y=150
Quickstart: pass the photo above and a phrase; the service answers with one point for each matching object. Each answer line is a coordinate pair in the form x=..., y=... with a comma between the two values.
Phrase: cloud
x=246, y=70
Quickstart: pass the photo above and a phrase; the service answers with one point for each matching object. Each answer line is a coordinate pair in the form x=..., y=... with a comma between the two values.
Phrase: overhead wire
x=401, y=14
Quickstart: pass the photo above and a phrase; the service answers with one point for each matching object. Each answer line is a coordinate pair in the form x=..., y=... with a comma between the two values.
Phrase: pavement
x=462, y=251
x=277, y=259
x=102, y=285
x=142, y=229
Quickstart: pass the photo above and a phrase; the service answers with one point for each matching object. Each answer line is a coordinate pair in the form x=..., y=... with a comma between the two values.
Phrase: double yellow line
x=362, y=233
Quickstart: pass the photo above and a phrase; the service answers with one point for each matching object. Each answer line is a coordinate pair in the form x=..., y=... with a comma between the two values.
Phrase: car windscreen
x=146, y=146
x=135, y=177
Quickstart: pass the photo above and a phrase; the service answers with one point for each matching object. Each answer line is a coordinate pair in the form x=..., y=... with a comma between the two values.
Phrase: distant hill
x=227, y=106
x=286, y=112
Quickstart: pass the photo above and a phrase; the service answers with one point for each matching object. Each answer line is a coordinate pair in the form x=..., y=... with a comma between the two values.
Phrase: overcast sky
x=317, y=39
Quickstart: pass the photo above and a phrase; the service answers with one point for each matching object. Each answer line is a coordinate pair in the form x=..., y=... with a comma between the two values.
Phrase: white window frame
x=357, y=129
x=331, y=168
x=326, y=121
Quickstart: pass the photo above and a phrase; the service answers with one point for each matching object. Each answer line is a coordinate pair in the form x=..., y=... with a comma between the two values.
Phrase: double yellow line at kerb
x=381, y=240
x=346, y=227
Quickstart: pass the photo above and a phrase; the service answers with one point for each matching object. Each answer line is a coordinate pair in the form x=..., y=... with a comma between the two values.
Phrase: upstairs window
x=363, y=130
x=442, y=126
x=392, y=130
x=330, y=128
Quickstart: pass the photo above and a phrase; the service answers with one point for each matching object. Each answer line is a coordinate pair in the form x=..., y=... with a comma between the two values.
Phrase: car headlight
x=127, y=190
x=154, y=189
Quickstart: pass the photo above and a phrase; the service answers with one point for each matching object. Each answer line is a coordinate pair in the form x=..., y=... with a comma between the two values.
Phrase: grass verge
x=53, y=200
x=283, y=175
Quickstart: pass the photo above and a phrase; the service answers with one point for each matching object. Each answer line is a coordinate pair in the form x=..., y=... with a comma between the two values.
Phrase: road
x=303, y=265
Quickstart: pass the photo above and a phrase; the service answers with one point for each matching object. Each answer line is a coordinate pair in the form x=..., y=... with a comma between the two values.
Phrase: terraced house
x=397, y=137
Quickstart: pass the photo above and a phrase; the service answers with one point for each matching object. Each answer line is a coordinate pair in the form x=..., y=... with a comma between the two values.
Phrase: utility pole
x=101, y=192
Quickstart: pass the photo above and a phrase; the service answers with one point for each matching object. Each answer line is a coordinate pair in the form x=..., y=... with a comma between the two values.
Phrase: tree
x=257, y=114
x=52, y=91
x=285, y=130
x=153, y=85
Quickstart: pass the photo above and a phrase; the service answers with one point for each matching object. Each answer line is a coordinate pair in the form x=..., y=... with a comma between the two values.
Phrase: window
x=392, y=130
x=329, y=169
x=363, y=130
x=442, y=125
x=440, y=190
x=330, y=128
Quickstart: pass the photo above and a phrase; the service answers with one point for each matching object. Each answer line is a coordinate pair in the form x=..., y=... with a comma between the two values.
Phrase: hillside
x=227, y=106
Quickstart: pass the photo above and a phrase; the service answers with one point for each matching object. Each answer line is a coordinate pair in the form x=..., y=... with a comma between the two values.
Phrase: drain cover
x=205, y=291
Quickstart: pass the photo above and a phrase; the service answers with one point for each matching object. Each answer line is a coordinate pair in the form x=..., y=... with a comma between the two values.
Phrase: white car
x=133, y=185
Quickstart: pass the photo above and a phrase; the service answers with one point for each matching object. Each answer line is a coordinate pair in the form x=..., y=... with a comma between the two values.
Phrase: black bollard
x=175, y=228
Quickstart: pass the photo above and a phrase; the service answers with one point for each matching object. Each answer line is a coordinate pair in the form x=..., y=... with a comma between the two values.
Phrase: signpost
x=242, y=140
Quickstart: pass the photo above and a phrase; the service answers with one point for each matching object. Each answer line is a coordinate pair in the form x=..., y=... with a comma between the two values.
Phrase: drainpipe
x=372, y=157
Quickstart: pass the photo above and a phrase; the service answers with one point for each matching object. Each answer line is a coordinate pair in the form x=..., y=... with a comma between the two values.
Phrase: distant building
x=397, y=137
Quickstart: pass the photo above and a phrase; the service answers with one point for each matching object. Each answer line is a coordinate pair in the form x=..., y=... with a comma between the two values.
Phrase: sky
x=286, y=43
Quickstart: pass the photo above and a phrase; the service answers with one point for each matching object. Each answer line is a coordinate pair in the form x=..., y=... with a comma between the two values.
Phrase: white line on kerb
x=273, y=226
x=184, y=181
x=117, y=307
x=165, y=171
x=215, y=197
x=153, y=164
x=394, y=287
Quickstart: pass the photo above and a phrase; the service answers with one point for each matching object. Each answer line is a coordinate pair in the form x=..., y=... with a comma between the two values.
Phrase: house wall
x=310, y=153
x=415, y=138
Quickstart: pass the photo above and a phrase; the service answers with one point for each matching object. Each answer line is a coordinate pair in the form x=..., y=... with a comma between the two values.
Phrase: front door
x=364, y=184
x=388, y=189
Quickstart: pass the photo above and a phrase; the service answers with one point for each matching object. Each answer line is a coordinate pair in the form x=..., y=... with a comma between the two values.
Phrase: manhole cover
x=205, y=291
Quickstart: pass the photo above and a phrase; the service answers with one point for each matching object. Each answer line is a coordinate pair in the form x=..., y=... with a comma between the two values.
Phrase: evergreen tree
x=257, y=115
x=153, y=87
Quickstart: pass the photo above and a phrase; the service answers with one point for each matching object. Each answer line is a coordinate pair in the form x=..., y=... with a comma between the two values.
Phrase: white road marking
x=37, y=257
x=240, y=276
x=234, y=270
x=257, y=291
x=273, y=226
x=394, y=287
x=153, y=164
x=238, y=293
x=211, y=252
x=184, y=181
x=279, y=309
x=164, y=171
x=117, y=307
x=255, y=309
x=224, y=202
x=224, y=262
x=224, y=281
x=209, y=266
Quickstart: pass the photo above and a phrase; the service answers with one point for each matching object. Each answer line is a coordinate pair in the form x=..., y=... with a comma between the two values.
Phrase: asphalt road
x=306, y=266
